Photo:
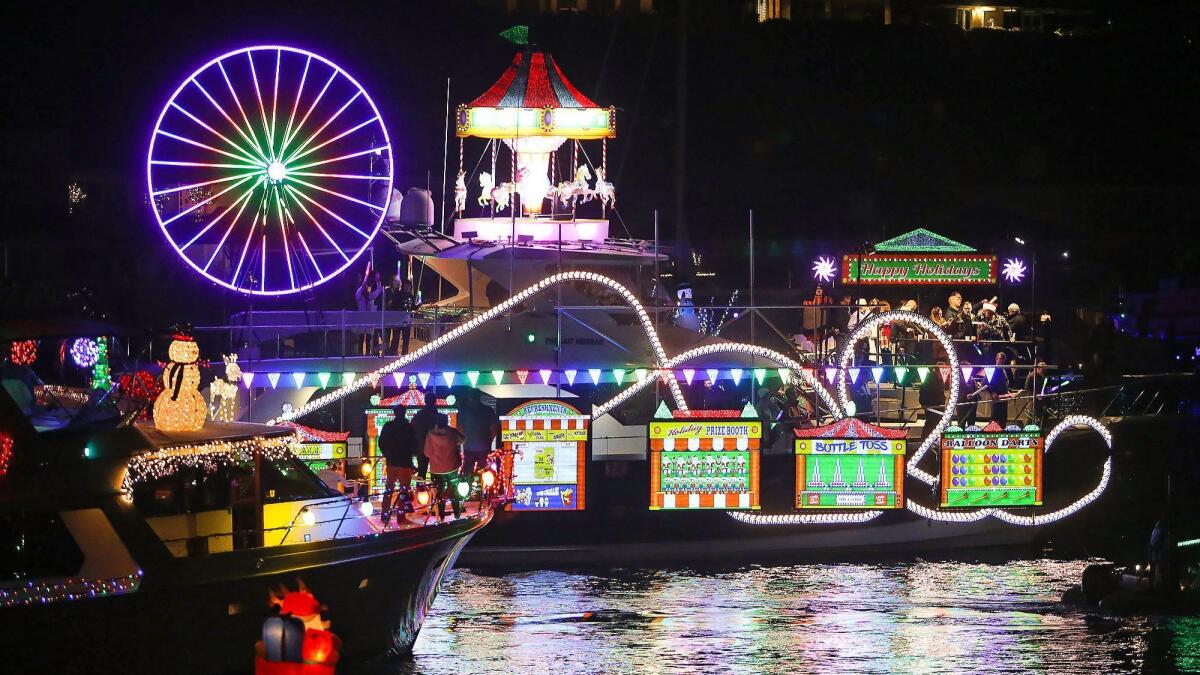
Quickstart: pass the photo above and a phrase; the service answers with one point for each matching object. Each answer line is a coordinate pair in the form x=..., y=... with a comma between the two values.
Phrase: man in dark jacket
x=426, y=419
x=479, y=425
x=398, y=445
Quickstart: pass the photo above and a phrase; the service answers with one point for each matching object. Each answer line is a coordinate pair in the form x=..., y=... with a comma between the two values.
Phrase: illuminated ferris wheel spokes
x=263, y=181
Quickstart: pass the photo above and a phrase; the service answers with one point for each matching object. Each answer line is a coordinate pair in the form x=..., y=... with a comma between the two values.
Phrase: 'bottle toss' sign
x=850, y=465
x=992, y=467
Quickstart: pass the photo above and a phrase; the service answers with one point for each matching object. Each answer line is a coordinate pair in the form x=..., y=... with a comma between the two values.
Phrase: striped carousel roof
x=533, y=80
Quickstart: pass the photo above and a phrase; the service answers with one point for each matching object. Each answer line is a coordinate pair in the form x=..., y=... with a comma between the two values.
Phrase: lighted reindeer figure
x=606, y=192
x=576, y=191
x=222, y=394
x=460, y=192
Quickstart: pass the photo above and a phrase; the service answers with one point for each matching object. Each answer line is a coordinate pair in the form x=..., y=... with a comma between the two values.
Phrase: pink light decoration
x=522, y=375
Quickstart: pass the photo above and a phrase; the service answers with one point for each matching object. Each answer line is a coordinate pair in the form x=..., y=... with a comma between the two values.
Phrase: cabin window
x=289, y=480
x=36, y=545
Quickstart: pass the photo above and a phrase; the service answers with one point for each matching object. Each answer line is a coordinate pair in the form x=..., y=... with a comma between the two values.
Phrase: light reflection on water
x=902, y=618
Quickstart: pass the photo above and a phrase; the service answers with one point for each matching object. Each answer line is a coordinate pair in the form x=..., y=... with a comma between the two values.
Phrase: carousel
x=538, y=189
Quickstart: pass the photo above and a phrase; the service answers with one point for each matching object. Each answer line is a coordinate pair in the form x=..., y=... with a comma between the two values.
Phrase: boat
x=129, y=548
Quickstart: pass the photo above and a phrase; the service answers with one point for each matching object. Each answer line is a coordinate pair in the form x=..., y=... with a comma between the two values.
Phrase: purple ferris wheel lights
x=276, y=202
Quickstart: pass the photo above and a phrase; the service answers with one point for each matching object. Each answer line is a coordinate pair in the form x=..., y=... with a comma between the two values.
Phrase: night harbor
x=600, y=336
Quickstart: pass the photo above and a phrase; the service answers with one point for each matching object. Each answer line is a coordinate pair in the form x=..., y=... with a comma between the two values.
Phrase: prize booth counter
x=705, y=459
x=383, y=411
x=545, y=447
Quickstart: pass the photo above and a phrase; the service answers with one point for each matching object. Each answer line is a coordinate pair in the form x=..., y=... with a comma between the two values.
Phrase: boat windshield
x=50, y=407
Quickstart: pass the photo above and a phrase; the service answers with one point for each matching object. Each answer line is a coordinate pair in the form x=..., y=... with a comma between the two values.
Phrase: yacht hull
x=204, y=615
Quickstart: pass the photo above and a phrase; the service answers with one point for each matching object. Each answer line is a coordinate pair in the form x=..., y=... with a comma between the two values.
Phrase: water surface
x=896, y=618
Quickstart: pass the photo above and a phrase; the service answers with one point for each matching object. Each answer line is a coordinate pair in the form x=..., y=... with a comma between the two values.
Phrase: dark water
x=896, y=618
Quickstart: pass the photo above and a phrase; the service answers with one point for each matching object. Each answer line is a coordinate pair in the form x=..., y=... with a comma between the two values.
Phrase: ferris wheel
x=269, y=170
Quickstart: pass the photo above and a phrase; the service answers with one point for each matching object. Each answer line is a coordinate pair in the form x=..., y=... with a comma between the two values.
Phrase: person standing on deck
x=480, y=424
x=425, y=420
x=400, y=299
x=398, y=445
x=366, y=299
x=443, y=448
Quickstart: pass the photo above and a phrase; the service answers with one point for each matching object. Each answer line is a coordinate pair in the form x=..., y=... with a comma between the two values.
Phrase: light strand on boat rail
x=373, y=377
x=667, y=372
x=804, y=518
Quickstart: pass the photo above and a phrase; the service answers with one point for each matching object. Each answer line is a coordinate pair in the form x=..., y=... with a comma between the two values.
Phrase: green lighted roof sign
x=919, y=269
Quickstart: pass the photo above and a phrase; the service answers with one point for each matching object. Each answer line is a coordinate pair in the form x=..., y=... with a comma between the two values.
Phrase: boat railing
x=1134, y=396
x=337, y=511
x=282, y=334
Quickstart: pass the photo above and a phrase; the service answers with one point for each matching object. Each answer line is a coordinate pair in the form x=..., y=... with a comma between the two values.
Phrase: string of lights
x=206, y=457
x=44, y=593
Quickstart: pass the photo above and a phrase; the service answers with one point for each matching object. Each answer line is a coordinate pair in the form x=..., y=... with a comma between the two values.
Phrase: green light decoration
x=922, y=240
x=919, y=269
x=448, y=378
x=619, y=375
x=464, y=488
x=640, y=373
x=323, y=378
x=901, y=372
x=497, y=376
x=922, y=373
x=473, y=377
x=785, y=374
x=760, y=374
x=348, y=378
x=749, y=411
x=663, y=412
x=518, y=35
x=530, y=338
x=101, y=374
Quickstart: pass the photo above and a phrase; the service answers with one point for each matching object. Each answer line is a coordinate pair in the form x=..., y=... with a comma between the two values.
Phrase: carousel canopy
x=534, y=98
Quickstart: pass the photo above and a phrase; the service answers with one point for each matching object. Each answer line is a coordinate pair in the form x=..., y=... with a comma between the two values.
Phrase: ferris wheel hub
x=276, y=171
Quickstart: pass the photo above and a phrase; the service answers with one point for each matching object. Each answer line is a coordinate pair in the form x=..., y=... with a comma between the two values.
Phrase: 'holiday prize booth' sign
x=704, y=459
x=545, y=453
x=992, y=466
x=850, y=464
x=919, y=257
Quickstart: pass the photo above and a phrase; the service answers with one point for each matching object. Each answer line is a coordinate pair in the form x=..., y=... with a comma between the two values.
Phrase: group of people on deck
x=985, y=337
x=429, y=448
x=397, y=296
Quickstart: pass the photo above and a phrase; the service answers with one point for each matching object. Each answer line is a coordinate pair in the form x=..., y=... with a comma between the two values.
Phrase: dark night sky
x=833, y=133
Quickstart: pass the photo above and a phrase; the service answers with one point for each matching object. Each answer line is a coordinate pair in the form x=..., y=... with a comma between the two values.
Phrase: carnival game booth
x=992, y=466
x=850, y=465
x=544, y=456
x=705, y=459
x=319, y=449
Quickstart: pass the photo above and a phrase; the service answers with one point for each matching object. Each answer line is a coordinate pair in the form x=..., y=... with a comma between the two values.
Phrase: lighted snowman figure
x=181, y=407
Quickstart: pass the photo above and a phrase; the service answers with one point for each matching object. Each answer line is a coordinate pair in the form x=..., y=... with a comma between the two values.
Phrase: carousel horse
x=460, y=192
x=606, y=192
x=500, y=194
x=576, y=191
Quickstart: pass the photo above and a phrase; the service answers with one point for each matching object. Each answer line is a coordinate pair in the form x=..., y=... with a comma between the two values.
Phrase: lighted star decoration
x=824, y=269
x=1014, y=270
